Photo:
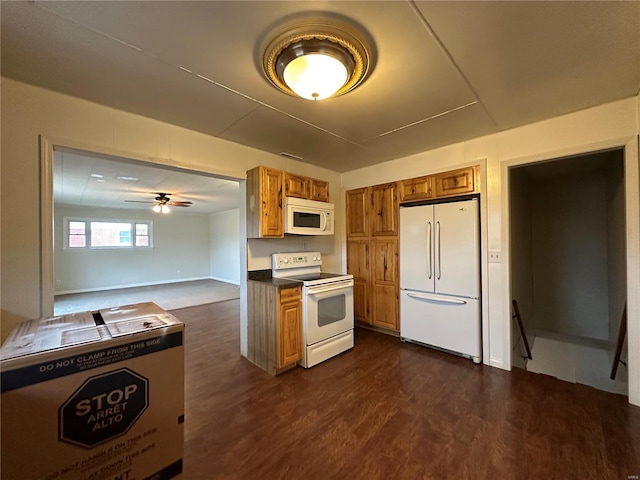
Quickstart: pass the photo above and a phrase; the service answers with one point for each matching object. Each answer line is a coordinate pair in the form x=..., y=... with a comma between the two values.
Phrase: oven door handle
x=329, y=288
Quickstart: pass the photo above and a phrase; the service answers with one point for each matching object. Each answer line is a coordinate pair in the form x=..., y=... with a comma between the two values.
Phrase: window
x=89, y=233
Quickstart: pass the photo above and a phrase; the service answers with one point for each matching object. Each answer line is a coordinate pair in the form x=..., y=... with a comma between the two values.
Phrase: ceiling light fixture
x=316, y=60
x=161, y=208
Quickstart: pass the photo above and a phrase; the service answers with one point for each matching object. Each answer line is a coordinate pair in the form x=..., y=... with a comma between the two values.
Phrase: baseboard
x=130, y=285
x=497, y=363
x=225, y=280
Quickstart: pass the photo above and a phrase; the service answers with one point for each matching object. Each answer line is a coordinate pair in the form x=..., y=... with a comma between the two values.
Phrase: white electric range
x=327, y=305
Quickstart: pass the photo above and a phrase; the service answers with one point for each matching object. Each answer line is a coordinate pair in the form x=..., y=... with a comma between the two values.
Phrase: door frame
x=630, y=147
x=47, y=147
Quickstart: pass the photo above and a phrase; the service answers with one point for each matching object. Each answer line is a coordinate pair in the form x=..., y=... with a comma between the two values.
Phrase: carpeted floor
x=168, y=296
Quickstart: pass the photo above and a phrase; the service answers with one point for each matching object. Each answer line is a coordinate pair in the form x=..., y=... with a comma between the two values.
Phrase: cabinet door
x=384, y=299
x=357, y=204
x=358, y=266
x=384, y=257
x=272, y=220
x=296, y=186
x=455, y=182
x=384, y=211
x=415, y=189
x=289, y=327
x=319, y=190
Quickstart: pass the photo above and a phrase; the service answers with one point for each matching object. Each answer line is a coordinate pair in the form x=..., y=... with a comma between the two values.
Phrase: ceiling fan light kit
x=316, y=60
x=162, y=203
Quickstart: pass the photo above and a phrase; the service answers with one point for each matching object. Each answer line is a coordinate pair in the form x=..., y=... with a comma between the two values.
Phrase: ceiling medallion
x=316, y=60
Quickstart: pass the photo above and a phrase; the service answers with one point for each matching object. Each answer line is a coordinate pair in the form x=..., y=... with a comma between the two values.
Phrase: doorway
x=189, y=252
x=568, y=266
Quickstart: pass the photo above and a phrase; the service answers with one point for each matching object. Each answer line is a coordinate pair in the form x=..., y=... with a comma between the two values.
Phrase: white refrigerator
x=440, y=276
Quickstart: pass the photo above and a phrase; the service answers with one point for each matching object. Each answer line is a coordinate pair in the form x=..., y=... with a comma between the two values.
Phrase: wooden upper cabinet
x=384, y=209
x=319, y=190
x=415, y=189
x=455, y=182
x=300, y=186
x=357, y=204
x=296, y=185
x=264, y=203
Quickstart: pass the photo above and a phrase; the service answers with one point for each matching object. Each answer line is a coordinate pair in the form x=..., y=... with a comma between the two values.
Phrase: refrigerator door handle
x=438, y=249
x=440, y=300
x=429, y=251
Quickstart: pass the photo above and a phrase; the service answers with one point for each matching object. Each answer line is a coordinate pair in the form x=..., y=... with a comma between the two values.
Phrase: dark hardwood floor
x=389, y=410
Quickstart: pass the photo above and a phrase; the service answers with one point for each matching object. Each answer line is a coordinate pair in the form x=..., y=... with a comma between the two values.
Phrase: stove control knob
x=286, y=260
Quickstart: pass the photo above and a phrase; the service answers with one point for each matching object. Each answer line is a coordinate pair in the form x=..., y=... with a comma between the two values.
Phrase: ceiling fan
x=162, y=202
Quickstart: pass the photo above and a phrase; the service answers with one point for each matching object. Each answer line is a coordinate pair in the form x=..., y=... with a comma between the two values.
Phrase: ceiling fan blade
x=138, y=201
x=180, y=204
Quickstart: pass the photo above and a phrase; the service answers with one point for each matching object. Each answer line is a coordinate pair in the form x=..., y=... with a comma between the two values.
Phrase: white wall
x=28, y=112
x=605, y=126
x=569, y=248
x=180, y=252
x=224, y=251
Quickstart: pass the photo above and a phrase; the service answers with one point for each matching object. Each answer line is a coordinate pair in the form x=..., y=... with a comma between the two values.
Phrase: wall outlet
x=58, y=282
x=495, y=256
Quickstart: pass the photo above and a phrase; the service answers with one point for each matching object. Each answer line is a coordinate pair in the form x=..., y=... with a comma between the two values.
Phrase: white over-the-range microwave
x=307, y=217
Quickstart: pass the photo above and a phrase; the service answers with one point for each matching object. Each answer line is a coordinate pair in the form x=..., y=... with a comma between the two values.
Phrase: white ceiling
x=85, y=180
x=443, y=71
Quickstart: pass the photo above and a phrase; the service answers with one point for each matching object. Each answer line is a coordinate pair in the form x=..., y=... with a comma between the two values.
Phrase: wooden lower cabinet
x=374, y=266
x=385, y=283
x=274, y=326
x=384, y=299
x=289, y=336
x=358, y=266
x=361, y=301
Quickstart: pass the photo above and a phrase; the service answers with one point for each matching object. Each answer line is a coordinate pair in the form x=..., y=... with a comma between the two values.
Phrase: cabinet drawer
x=290, y=294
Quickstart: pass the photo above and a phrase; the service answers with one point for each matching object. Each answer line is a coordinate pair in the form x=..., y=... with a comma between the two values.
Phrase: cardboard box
x=83, y=399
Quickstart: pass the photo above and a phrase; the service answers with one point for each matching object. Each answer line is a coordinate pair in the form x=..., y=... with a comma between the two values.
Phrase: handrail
x=622, y=332
x=523, y=334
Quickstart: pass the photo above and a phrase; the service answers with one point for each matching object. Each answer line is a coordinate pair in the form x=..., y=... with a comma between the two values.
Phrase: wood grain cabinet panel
x=319, y=190
x=358, y=266
x=385, y=261
x=385, y=306
x=264, y=203
x=415, y=189
x=357, y=219
x=384, y=209
x=296, y=186
x=455, y=182
x=290, y=327
x=385, y=283
x=274, y=326
x=372, y=253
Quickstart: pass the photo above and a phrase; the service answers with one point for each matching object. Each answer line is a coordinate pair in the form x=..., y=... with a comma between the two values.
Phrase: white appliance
x=440, y=276
x=327, y=305
x=307, y=217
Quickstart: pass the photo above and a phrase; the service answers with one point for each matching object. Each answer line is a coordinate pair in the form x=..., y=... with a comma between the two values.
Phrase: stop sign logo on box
x=103, y=407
